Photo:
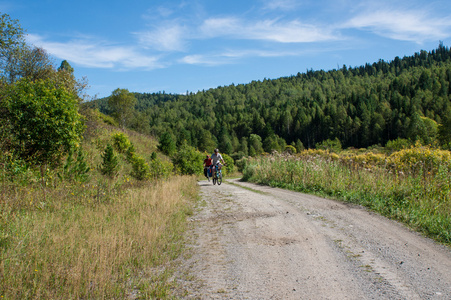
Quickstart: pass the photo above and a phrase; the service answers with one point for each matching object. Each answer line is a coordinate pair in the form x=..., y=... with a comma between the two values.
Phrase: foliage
x=45, y=121
x=167, y=144
x=121, y=142
x=188, y=160
x=75, y=170
x=412, y=185
x=420, y=160
x=397, y=144
x=331, y=145
x=229, y=164
x=140, y=168
x=121, y=103
x=110, y=162
x=160, y=169
x=360, y=106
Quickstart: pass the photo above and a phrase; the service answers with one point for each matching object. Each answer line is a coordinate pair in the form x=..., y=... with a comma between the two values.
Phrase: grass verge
x=420, y=199
x=72, y=244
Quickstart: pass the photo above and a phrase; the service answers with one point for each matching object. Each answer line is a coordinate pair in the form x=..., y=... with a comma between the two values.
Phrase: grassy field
x=412, y=185
x=90, y=236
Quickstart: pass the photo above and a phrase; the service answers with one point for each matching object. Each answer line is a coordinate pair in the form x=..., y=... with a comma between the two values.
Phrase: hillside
x=360, y=106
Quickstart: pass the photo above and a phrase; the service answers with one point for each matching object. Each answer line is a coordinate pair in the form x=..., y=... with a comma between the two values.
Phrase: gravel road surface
x=257, y=242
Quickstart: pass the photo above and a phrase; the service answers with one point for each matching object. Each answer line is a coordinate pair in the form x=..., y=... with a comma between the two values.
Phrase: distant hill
x=360, y=106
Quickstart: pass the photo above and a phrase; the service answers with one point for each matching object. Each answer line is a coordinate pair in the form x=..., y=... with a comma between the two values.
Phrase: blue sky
x=178, y=46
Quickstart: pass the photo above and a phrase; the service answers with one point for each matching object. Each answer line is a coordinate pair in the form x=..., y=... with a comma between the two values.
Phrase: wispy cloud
x=414, y=25
x=269, y=30
x=171, y=37
x=89, y=53
x=234, y=56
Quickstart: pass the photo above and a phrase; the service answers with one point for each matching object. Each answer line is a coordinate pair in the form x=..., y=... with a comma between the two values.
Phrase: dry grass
x=73, y=244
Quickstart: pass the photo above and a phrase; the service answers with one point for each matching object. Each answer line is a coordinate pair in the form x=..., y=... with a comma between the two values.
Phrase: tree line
x=406, y=98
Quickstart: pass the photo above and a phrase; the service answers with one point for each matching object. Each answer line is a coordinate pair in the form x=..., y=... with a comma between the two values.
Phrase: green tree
x=65, y=66
x=167, y=144
x=110, y=162
x=188, y=160
x=45, y=121
x=121, y=103
x=11, y=42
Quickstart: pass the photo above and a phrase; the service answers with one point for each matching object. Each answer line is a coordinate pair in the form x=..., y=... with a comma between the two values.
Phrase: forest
x=407, y=98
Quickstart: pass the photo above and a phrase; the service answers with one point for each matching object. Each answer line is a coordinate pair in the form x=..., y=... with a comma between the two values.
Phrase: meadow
x=75, y=233
x=412, y=185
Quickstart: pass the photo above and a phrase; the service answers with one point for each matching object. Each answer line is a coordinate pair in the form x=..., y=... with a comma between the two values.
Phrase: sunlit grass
x=419, y=197
x=77, y=246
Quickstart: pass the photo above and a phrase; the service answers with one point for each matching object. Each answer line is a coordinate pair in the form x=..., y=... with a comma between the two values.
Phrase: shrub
x=397, y=145
x=160, y=168
x=188, y=160
x=75, y=170
x=140, y=168
x=230, y=166
x=420, y=159
x=110, y=162
x=38, y=109
x=121, y=142
x=331, y=145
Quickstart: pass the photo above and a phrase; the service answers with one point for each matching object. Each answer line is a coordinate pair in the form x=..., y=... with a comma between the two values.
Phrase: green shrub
x=188, y=160
x=75, y=170
x=160, y=168
x=110, y=162
x=121, y=142
x=398, y=144
x=140, y=168
x=230, y=166
x=44, y=118
x=331, y=145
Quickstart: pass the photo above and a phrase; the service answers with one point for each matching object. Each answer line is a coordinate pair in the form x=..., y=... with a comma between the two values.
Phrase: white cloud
x=233, y=56
x=415, y=26
x=165, y=38
x=97, y=54
x=270, y=30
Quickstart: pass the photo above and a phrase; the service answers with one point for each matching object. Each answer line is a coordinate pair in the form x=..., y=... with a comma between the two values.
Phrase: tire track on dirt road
x=257, y=242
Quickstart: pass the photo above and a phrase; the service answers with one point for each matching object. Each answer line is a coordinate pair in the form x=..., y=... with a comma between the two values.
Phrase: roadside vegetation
x=412, y=185
x=95, y=194
x=88, y=209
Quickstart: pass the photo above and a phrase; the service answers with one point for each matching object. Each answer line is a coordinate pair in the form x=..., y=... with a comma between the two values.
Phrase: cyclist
x=216, y=158
x=207, y=167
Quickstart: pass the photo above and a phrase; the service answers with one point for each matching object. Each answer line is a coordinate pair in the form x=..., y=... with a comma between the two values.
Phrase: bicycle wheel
x=219, y=180
x=214, y=180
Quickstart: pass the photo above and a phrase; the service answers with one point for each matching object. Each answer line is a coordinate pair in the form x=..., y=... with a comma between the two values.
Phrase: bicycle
x=217, y=174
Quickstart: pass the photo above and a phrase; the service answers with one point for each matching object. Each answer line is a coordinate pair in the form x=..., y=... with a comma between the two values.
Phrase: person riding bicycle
x=207, y=166
x=216, y=157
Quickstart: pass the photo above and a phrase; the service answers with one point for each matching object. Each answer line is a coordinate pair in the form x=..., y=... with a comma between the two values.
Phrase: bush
x=420, y=159
x=121, y=142
x=230, y=166
x=140, y=168
x=397, y=145
x=331, y=145
x=110, y=162
x=38, y=109
x=160, y=168
x=188, y=160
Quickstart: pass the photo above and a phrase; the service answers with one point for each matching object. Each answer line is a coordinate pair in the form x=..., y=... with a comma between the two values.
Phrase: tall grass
x=80, y=235
x=78, y=246
x=419, y=197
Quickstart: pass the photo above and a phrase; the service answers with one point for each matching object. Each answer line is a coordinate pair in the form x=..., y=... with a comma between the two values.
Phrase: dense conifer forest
x=407, y=98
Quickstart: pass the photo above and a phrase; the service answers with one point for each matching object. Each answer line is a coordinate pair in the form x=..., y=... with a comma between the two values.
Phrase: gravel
x=257, y=242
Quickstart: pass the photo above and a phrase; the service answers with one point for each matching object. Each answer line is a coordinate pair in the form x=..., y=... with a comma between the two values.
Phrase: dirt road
x=256, y=242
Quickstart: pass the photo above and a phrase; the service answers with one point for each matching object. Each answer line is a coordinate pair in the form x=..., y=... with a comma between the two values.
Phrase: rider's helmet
x=216, y=150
